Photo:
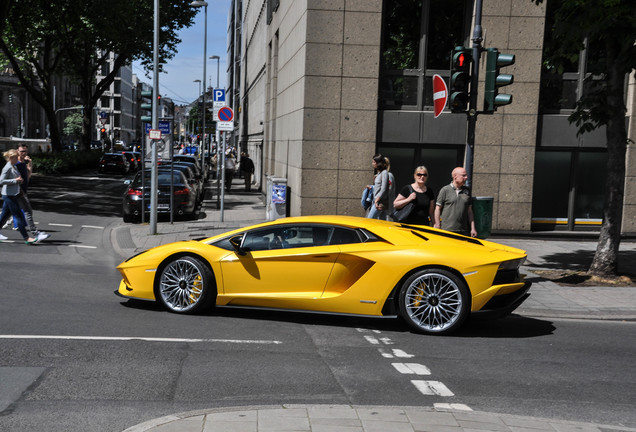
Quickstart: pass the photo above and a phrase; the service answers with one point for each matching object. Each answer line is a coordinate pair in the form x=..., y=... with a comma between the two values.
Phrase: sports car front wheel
x=434, y=301
x=185, y=285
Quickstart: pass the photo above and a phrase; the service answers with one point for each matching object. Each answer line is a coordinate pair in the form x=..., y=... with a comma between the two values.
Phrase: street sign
x=226, y=114
x=103, y=115
x=163, y=125
x=440, y=94
x=218, y=95
x=227, y=126
x=154, y=134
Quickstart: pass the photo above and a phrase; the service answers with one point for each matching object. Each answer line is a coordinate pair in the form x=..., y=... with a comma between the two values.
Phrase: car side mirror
x=236, y=242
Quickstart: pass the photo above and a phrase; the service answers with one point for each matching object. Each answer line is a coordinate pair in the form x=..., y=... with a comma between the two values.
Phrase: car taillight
x=184, y=191
x=134, y=192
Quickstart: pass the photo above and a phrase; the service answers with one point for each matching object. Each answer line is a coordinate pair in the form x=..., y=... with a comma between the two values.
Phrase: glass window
x=590, y=185
x=418, y=37
x=551, y=184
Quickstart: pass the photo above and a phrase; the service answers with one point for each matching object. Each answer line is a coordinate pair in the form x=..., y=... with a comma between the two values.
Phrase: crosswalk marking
x=432, y=388
x=411, y=368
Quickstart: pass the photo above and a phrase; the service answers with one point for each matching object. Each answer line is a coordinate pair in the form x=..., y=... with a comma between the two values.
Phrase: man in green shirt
x=454, y=206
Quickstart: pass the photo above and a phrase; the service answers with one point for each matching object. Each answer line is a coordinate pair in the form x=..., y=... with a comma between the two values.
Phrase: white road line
x=61, y=225
x=458, y=407
x=59, y=196
x=83, y=246
x=402, y=354
x=92, y=226
x=411, y=368
x=147, y=339
x=372, y=340
x=432, y=388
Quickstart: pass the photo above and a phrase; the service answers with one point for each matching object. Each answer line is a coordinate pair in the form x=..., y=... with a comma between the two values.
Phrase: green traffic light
x=494, y=79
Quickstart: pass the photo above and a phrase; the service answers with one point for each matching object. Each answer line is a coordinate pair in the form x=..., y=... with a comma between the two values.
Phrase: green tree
x=608, y=29
x=76, y=38
x=73, y=125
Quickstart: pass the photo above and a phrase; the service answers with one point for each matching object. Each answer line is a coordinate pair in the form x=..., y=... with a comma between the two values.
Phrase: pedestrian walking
x=419, y=198
x=247, y=168
x=230, y=166
x=383, y=189
x=454, y=206
x=25, y=168
x=10, y=180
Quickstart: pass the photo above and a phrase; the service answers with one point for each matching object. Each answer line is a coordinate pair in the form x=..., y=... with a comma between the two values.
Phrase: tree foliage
x=607, y=30
x=76, y=38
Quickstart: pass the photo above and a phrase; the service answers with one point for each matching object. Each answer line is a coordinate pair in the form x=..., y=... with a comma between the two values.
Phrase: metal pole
x=205, y=61
x=154, y=190
x=223, y=176
x=218, y=142
x=472, y=107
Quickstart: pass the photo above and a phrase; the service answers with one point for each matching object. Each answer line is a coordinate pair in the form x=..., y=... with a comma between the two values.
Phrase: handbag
x=401, y=214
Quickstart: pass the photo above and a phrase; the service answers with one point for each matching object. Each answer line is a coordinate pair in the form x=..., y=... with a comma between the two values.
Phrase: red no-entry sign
x=440, y=94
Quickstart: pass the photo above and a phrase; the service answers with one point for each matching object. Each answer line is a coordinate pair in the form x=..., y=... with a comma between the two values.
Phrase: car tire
x=434, y=301
x=185, y=285
x=127, y=218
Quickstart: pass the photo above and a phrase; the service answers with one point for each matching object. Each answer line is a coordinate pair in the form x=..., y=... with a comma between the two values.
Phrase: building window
x=105, y=102
x=571, y=196
x=418, y=37
x=117, y=104
x=117, y=87
x=564, y=84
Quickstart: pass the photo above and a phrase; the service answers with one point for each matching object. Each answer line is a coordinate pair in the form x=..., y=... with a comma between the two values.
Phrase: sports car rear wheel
x=186, y=285
x=434, y=301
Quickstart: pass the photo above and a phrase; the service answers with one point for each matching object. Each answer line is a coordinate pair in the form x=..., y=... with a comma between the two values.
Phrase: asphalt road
x=74, y=357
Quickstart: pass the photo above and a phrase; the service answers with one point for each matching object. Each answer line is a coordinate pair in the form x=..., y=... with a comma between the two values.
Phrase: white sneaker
x=3, y=238
x=8, y=223
x=42, y=236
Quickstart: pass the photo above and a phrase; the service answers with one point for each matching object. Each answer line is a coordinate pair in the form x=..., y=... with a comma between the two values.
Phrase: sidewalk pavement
x=547, y=300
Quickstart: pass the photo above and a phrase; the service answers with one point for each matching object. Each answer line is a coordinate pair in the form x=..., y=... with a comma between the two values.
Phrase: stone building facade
x=320, y=86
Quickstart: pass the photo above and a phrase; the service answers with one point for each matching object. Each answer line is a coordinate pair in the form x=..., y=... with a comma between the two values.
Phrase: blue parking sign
x=219, y=95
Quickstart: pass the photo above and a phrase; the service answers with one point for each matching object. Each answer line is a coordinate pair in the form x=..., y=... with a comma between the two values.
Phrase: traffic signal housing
x=147, y=106
x=494, y=79
x=461, y=60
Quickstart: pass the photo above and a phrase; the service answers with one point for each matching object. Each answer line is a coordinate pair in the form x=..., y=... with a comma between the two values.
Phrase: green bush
x=65, y=162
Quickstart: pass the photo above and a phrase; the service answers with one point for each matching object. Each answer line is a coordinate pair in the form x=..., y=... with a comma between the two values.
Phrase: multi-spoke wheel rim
x=433, y=302
x=181, y=285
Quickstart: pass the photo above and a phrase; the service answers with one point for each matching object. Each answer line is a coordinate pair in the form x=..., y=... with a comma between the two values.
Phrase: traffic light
x=10, y=97
x=146, y=106
x=461, y=59
x=494, y=79
x=103, y=130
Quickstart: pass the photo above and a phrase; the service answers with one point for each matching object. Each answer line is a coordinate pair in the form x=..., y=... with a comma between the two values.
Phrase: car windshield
x=112, y=158
x=163, y=179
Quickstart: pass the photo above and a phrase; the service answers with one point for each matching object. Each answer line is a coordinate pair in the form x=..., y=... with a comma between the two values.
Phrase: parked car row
x=121, y=163
x=183, y=173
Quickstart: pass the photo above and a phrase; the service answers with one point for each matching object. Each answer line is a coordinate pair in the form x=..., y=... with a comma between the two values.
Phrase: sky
x=176, y=82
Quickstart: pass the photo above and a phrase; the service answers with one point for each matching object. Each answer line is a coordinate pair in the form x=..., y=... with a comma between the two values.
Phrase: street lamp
x=204, y=4
x=217, y=58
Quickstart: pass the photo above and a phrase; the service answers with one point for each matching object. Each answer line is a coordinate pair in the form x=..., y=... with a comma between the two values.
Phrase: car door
x=290, y=261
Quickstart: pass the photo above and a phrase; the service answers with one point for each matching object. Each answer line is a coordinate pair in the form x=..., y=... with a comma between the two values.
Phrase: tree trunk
x=605, y=261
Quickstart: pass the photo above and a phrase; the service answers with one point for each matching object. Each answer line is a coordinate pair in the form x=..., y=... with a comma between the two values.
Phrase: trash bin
x=276, y=206
x=482, y=209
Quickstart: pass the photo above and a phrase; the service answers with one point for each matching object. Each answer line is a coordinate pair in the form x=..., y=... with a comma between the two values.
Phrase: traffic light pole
x=474, y=82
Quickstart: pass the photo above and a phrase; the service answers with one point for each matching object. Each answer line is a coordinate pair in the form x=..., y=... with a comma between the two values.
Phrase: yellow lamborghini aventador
x=433, y=279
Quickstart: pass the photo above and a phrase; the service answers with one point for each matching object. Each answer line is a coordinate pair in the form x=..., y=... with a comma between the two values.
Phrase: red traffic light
x=461, y=59
x=103, y=130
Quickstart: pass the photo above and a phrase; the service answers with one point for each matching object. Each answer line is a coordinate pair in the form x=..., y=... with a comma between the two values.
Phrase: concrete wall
x=323, y=119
